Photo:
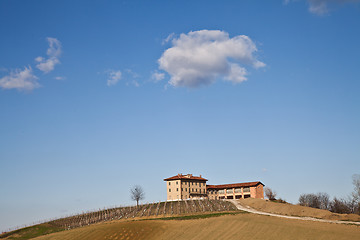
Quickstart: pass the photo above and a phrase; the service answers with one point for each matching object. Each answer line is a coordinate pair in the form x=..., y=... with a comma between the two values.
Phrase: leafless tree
x=270, y=194
x=324, y=200
x=137, y=194
x=356, y=193
x=340, y=206
x=319, y=200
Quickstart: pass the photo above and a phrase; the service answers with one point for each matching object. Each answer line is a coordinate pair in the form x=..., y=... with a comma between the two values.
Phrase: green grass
x=31, y=232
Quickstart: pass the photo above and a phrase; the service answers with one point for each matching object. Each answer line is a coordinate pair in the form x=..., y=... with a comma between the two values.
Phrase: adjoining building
x=181, y=187
x=236, y=190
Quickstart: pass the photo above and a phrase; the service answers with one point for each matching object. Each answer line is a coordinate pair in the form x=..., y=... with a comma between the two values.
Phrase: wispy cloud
x=20, y=80
x=157, y=76
x=168, y=38
x=53, y=52
x=132, y=73
x=59, y=78
x=322, y=7
x=113, y=77
x=201, y=57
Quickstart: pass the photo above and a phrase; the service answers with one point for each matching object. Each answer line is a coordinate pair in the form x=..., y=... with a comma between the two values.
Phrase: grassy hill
x=296, y=210
x=238, y=226
x=190, y=220
x=153, y=210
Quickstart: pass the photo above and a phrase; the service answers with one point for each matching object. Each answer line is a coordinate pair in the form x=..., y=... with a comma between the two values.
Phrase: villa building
x=180, y=187
x=185, y=187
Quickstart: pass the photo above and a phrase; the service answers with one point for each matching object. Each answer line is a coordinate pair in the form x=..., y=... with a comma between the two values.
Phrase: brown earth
x=241, y=226
x=295, y=210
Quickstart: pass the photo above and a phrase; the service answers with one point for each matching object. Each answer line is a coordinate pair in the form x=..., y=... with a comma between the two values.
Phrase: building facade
x=181, y=187
x=236, y=190
x=185, y=187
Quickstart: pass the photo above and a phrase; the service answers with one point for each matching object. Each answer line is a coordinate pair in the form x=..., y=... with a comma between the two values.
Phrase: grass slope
x=296, y=210
x=32, y=232
x=154, y=210
x=239, y=226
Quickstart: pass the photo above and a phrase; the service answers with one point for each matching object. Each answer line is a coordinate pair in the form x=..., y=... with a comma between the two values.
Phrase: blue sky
x=97, y=97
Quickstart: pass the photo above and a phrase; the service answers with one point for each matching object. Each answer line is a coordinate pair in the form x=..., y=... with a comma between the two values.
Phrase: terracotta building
x=180, y=187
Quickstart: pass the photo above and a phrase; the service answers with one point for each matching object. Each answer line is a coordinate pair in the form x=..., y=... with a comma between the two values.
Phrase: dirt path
x=251, y=210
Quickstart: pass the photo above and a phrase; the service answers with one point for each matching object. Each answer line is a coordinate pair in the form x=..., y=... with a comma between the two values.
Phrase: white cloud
x=20, y=79
x=157, y=76
x=113, y=77
x=53, y=52
x=201, y=57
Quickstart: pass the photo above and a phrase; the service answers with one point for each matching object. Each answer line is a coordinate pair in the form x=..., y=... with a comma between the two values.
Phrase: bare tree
x=324, y=200
x=319, y=200
x=340, y=206
x=356, y=193
x=270, y=194
x=137, y=194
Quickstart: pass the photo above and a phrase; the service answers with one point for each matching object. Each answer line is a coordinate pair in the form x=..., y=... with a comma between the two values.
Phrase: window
x=229, y=191
x=177, y=183
x=182, y=189
x=200, y=190
x=177, y=189
x=246, y=189
x=169, y=190
x=238, y=190
x=169, y=183
x=196, y=183
x=185, y=189
x=221, y=191
x=192, y=183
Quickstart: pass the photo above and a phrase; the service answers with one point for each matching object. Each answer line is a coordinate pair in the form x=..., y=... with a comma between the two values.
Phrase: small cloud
x=53, y=52
x=135, y=83
x=59, y=78
x=200, y=58
x=39, y=59
x=157, y=76
x=319, y=7
x=286, y=2
x=132, y=73
x=322, y=7
x=113, y=77
x=264, y=169
x=20, y=80
x=168, y=38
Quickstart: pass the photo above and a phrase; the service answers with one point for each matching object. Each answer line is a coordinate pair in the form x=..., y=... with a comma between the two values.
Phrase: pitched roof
x=234, y=185
x=185, y=177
